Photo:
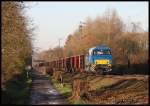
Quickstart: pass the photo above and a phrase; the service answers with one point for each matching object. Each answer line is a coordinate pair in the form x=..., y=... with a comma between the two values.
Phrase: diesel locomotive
x=96, y=59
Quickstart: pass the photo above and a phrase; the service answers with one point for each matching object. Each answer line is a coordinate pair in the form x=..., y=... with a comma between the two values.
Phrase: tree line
x=16, y=40
x=128, y=41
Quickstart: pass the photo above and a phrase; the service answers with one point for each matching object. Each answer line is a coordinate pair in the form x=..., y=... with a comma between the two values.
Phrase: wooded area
x=128, y=41
x=16, y=50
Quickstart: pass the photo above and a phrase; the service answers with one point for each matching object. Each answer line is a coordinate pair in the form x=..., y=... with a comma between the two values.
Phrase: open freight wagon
x=70, y=64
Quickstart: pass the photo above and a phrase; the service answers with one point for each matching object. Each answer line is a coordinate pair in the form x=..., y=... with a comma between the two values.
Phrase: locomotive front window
x=101, y=52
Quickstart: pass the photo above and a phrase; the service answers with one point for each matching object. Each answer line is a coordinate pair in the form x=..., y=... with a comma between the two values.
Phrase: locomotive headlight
x=107, y=61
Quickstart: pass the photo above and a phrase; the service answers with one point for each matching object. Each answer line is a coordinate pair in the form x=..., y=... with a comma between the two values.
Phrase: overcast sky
x=59, y=19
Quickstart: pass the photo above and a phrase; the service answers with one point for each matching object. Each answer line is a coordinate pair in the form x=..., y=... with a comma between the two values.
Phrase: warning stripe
x=93, y=67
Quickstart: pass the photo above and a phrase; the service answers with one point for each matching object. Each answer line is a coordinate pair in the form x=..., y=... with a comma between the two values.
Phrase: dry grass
x=131, y=91
x=107, y=89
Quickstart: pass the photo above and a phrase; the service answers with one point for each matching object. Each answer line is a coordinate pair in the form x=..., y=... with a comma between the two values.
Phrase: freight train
x=96, y=59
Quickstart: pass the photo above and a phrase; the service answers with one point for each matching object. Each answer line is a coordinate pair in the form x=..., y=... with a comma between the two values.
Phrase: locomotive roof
x=101, y=47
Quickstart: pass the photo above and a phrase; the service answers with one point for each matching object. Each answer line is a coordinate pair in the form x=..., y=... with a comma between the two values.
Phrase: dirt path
x=42, y=92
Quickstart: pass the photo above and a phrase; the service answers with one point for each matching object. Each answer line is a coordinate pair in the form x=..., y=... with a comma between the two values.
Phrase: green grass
x=17, y=89
x=64, y=89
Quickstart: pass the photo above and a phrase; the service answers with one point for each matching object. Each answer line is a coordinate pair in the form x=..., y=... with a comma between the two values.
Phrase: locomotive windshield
x=101, y=52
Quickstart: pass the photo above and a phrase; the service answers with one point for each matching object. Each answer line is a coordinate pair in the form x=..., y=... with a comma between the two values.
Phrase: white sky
x=59, y=19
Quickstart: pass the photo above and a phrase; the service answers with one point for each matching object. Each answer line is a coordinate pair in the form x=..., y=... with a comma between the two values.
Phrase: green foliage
x=17, y=90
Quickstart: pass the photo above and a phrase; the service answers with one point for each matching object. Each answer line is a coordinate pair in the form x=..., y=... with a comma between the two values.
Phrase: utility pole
x=59, y=52
x=59, y=41
x=81, y=27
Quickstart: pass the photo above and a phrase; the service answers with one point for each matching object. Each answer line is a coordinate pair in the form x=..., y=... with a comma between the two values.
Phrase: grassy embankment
x=65, y=89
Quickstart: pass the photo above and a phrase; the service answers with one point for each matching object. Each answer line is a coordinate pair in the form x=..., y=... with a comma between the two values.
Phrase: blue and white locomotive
x=98, y=59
